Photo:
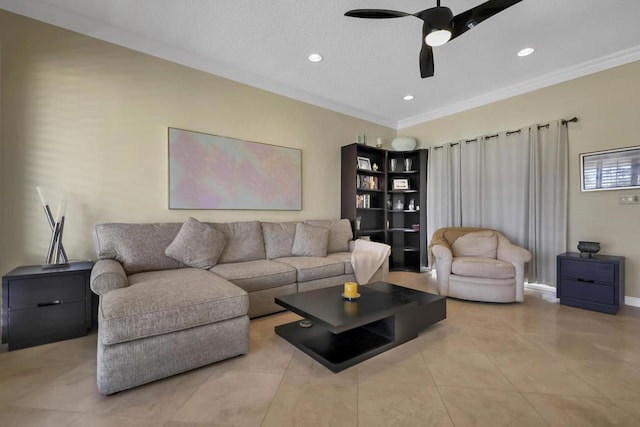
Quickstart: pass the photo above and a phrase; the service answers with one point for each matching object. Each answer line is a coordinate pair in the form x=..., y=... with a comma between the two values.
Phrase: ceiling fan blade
x=376, y=13
x=464, y=21
x=426, y=61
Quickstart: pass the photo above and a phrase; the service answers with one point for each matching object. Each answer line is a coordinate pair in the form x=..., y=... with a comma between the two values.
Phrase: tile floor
x=531, y=364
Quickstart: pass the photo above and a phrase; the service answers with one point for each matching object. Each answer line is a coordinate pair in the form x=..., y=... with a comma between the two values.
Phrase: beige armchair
x=478, y=264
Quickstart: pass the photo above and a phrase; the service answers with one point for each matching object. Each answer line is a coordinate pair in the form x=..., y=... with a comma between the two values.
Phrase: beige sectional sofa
x=176, y=296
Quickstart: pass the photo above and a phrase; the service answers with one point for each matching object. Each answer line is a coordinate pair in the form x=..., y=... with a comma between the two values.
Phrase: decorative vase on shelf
x=403, y=143
x=588, y=248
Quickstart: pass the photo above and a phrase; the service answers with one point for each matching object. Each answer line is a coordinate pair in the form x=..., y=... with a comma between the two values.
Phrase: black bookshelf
x=388, y=204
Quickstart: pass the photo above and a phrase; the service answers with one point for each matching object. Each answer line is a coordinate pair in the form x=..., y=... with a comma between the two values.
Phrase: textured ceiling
x=369, y=65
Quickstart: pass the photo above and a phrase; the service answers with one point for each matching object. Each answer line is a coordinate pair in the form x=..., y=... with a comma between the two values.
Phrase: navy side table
x=595, y=283
x=43, y=305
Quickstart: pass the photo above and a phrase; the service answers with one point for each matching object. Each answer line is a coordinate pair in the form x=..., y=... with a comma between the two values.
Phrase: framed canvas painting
x=216, y=172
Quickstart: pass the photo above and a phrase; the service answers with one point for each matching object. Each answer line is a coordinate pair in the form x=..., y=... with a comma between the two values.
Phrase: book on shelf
x=363, y=201
x=366, y=182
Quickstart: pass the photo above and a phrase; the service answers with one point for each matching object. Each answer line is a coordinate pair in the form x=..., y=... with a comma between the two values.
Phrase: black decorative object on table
x=56, y=255
x=588, y=248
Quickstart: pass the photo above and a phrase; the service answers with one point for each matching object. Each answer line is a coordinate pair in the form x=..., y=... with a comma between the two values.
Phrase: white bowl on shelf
x=403, y=143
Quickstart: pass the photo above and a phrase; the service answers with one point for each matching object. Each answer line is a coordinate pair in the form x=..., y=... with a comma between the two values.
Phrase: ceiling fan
x=440, y=25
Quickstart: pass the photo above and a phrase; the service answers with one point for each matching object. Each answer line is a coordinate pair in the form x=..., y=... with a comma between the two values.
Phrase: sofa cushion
x=278, y=238
x=311, y=268
x=256, y=275
x=343, y=257
x=482, y=267
x=310, y=241
x=197, y=245
x=138, y=247
x=340, y=233
x=244, y=241
x=476, y=243
x=159, y=302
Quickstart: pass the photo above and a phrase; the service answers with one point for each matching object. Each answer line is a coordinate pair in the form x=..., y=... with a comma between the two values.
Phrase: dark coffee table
x=345, y=333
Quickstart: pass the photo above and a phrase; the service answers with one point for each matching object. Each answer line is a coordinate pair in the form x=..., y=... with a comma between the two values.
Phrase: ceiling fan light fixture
x=315, y=57
x=439, y=25
x=437, y=37
x=526, y=51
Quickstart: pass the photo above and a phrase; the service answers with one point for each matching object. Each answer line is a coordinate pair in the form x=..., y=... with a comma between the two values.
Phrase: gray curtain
x=514, y=182
x=443, y=198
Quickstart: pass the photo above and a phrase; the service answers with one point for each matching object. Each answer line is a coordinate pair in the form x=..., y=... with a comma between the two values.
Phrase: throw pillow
x=244, y=241
x=310, y=241
x=197, y=245
x=339, y=233
x=278, y=238
x=476, y=243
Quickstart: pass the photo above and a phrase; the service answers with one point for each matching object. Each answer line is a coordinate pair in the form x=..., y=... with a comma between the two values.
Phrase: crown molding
x=46, y=12
x=589, y=67
x=70, y=20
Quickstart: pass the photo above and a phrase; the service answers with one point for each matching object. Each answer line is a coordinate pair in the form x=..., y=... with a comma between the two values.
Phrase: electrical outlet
x=629, y=199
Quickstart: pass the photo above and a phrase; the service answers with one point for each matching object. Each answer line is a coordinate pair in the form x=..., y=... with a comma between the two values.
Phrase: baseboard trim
x=540, y=287
x=632, y=301
x=549, y=290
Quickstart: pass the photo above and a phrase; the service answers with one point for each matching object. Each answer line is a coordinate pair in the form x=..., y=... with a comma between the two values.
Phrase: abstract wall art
x=215, y=172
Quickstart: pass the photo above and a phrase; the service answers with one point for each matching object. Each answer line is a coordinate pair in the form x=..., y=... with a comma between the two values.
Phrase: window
x=610, y=170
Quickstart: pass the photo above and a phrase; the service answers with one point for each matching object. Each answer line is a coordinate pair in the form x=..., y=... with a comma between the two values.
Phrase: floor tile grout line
x=264, y=417
x=575, y=372
x=522, y=336
x=195, y=389
x=357, y=397
x=542, y=417
x=444, y=403
x=39, y=386
x=459, y=308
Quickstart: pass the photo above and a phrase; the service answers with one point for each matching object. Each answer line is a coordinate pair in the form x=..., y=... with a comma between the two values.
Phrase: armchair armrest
x=518, y=257
x=511, y=253
x=107, y=275
x=439, y=240
x=443, y=260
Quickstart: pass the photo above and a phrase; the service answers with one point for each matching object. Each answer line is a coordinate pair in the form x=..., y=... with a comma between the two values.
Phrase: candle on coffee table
x=350, y=289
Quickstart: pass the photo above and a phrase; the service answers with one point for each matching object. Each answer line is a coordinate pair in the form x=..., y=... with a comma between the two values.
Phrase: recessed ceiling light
x=526, y=51
x=315, y=57
x=408, y=97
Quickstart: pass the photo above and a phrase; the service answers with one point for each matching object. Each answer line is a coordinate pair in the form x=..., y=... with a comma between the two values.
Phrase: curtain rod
x=563, y=121
x=510, y=132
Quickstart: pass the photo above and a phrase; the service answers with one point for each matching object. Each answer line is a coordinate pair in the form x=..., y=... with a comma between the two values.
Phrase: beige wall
x=87, y=121
x=608, y=106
